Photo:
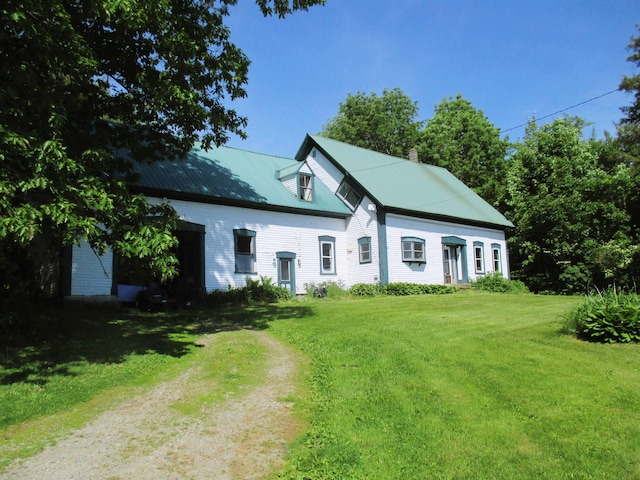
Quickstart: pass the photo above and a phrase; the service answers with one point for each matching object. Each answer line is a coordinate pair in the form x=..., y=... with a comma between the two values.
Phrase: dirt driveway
x=144, y=438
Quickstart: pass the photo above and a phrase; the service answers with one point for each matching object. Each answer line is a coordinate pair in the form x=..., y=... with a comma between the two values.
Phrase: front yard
x=471, y=385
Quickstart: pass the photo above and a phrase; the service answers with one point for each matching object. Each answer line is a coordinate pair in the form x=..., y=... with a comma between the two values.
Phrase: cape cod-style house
x=334, y=212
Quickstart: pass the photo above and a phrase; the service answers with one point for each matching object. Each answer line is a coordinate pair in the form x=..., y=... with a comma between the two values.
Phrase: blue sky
x=512, y=59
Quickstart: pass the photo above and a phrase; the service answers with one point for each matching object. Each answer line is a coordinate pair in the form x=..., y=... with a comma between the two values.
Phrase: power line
x=563, y=110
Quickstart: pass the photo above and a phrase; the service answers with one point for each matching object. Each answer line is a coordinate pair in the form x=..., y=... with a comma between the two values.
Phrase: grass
x=466, y=386
x=472, y=385
x=80, y=362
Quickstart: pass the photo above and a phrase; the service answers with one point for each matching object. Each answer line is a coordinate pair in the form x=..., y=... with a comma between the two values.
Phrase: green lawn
x=463, y=386
x=471, y=385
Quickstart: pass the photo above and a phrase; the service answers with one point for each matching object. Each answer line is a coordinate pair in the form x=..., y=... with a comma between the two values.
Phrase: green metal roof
x=401, y=184
x=232, y=176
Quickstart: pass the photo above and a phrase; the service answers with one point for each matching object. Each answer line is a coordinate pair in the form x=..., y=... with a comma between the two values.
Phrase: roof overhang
x=211, y=200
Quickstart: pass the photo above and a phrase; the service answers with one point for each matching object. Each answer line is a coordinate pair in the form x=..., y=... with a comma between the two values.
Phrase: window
x=497, y=257
x=349, y=195
x=327, y=255
x=413, y=250
x=305, y=187
x=478, y=256
x=364, y=249
x=245, y=250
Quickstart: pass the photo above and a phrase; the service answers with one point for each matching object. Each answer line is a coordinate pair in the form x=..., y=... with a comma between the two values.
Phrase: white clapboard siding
x=363, y=223
x=90, y=275
x=275, y=232
x=324, y=170
x=432, y=272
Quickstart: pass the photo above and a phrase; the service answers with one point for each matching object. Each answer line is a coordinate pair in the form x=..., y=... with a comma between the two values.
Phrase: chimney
x=413, y=155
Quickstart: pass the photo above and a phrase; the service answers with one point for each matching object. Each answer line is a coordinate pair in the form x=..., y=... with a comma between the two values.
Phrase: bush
x=495, y=282
x=405, y=288
x=329, y=289
x=255, y=290
x=366, y=289
x=611, y=316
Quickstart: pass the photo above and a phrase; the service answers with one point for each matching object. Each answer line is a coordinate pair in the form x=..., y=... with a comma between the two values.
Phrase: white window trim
x=496, y=257
x=237, y=234
x=478, y=260
x=343, y=196
x=331, y=241
x=361, y=242
x=305, y=192
x=412, y=257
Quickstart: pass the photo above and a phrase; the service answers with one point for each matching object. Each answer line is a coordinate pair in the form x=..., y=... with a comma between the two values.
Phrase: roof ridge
x=391, y=157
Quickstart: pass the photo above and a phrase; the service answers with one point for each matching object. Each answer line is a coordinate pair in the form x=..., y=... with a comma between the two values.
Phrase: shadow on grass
x=60, y=338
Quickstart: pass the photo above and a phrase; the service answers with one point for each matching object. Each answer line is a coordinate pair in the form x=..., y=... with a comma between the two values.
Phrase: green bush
x=366, y=289
x=405, y=288
x=611, y=316
x=255, y=290
x=495, y=282
x=329, y=289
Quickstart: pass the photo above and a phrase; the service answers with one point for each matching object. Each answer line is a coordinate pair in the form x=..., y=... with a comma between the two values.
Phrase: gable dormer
x=299, y=180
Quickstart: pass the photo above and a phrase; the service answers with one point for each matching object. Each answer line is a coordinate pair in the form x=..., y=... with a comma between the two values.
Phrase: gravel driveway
x=144, y=438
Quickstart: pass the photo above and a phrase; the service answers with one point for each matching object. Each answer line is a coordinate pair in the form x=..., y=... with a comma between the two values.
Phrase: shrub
x=495, y=282
x=405, y=288
x=329, y=289
x=611, y=316
x=255, y=290
x=366, y=289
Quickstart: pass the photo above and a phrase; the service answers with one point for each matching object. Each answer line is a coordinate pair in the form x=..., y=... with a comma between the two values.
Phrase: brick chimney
x=413, y=155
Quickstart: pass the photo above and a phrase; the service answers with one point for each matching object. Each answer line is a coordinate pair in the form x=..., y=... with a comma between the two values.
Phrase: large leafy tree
x=461, y=139
x=628, y=140
x=82, y=79
x=385, y=123
x=567, y=206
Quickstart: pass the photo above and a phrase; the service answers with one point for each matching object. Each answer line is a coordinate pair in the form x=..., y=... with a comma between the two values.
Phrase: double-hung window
x=497, y=257
x=245, y=250
x=364, y=249
x=413, y=250
x=348, y=194
x=478, y=256
x=327, y=255
x=305, y=187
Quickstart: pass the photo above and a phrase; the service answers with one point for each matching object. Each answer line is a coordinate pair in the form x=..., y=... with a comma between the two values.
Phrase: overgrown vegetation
x=495, y=282
x=328, y=289
x=611, y=316
x=255, y=290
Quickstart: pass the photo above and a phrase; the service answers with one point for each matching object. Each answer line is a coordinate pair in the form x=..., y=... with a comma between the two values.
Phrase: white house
x=335, y=212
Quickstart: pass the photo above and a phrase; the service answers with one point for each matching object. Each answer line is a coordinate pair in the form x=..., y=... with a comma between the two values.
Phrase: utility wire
x=563, y=110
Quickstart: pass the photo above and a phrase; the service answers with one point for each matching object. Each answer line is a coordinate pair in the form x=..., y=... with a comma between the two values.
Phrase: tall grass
x=473, y=385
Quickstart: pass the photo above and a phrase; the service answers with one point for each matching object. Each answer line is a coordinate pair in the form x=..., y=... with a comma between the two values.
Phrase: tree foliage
x=565, y=206
x=461, y=139
x=385, y=123
x=81, y=80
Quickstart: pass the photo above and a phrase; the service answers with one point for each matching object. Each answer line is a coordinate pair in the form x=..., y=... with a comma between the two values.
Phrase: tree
x=385, y=124
x=566, y=208
x=461, y=139
x=628, y=140
x=89, y=87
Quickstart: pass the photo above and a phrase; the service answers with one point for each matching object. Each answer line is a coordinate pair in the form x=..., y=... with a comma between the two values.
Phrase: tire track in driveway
x=145, y=439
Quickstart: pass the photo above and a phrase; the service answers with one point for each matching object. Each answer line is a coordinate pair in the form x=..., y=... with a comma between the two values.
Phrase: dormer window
x=349, y=195
x=305, y=187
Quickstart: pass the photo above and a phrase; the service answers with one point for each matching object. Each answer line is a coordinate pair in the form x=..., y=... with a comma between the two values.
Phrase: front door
x=451, y=263
x=286, y=270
